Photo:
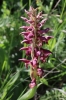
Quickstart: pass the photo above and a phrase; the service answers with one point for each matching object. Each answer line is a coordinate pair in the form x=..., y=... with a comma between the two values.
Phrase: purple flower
x=34, y=63
x=34, y=37
x=33, y=83
x=40, y=72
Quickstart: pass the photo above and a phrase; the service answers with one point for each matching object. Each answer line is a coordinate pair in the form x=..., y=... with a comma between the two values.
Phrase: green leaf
x=44, y=81
x=51, y=44
x=29, y=94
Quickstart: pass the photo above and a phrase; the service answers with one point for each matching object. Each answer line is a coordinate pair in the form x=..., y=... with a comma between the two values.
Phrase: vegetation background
x=14, y=78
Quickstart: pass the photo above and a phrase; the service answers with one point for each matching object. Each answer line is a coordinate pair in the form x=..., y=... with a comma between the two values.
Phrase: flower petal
x=27, y=41
x=25, y=19
x=24, y=60
x=24, y=48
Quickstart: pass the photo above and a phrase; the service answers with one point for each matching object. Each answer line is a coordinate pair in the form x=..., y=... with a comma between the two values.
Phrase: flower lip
x=48, y=37
x=43, y=31
x=45, y=38
x=45, y=52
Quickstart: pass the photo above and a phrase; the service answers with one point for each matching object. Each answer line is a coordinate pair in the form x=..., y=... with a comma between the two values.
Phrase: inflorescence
x=34, y=37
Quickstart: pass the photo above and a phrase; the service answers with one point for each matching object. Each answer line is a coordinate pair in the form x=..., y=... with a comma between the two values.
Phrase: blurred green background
x=14, y=78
